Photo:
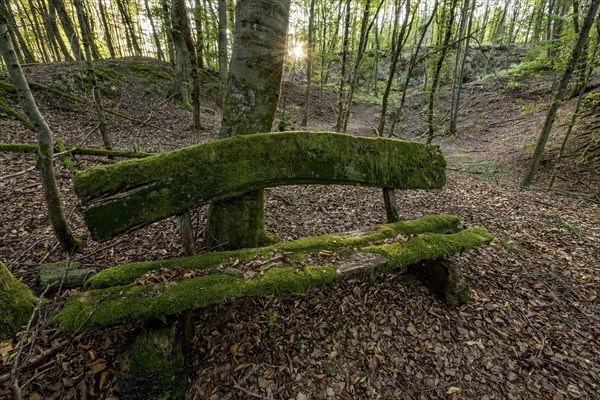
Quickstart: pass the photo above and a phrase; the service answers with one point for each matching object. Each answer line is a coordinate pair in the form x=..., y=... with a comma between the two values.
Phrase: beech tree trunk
x=560, y=92
x=69, y=29
x=54, y=204
x=253, y=89
x=222, y=45
x=87, y=39
x=309, y=61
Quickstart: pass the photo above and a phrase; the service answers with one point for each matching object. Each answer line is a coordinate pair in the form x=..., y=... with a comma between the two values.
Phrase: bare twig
x=15, y=368
x=249, y=393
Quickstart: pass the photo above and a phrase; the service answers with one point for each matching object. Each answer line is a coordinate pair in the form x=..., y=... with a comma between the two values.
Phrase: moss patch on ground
x=16, y=304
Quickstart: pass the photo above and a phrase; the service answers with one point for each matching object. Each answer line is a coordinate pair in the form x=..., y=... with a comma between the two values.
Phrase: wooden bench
x=131, y=194
x=157, y=294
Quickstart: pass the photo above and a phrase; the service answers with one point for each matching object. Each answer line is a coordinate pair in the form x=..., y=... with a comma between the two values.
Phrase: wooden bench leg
x=444, y=279
x=156, y=359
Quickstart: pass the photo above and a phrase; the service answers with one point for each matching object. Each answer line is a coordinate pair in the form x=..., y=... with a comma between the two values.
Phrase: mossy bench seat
x=157, y=289
x=134, y=193
x=131, y=194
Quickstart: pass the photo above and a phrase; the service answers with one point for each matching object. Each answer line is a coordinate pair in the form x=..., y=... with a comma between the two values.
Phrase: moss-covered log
x=300, y=265
x=134, y=193
x=16, y=304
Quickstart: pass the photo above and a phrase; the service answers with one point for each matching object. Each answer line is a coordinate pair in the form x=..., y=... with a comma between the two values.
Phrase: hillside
x=531, y=331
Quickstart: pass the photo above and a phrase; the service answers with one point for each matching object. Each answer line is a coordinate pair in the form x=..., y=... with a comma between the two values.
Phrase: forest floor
x=532, y=330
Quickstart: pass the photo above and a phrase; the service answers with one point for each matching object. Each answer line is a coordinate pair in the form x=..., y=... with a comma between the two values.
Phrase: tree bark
x=54, y=204
x=107, y=34
x=97, y=99
x=181, y=30
x=222, y=46
x=159, y=51
x=69, y=29
x=560, y=91
x=438, y=70
x=309, y=62
x=253, y=89
x=342, y=88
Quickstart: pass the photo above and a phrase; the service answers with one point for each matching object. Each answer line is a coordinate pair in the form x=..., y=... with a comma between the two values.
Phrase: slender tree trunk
x=199, y=35
x=459, y=66
x=254, y=86
x=309, y=62
x=389, y=195
x=168, y=27
x=69, y=29
x=393, y=66
x=159, y=51
x=342, y=88
x=563, y=145
x=186, y=233
x=183, y=35
x=181, y=59
x=107, y=34
x=331, y=47
x=222, y=45
x=560, y=91
x=437, y=72
x=61, y=44
x=87, y=38
x=411, y=66
x=129, y=26
x=40, y=38
x=366, y=27
x=45, y=162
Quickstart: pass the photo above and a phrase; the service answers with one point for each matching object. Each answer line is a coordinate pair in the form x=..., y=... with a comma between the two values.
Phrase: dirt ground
x=531, y=331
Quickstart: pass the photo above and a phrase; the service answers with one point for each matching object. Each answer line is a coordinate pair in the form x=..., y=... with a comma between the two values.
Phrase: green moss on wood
x=102, y=307
x=16, y=304
x=430, y=246
x=134, y=193
x=124, y=274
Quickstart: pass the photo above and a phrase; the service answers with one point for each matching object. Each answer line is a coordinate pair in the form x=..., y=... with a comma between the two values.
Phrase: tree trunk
x=393, y=66
x=54, y=204
x=411, y=65
x=87, y=38
x=199, y=35
x=254, y=86
x=186, y=233
x=342, y=88
x=459, y=67
x=69, y=29
x=222, y=46
x=129, y=27
x=438, y=70
x=181, y=59
x=183, y=36
x=14, y=33
x=159, y=51
x=107, y=34
x=560, y=91
x=365, y=30
x=309, y=61
x=168, y=28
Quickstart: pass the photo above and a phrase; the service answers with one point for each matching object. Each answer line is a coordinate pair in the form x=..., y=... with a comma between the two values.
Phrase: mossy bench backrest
x=131, y=194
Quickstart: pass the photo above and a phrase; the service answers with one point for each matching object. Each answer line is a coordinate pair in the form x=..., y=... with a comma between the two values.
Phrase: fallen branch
x=33, y=148
x=249, y=393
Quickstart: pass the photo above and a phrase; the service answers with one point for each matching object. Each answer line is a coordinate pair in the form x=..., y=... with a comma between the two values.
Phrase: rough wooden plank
x=113, y=305
x=134, y=193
